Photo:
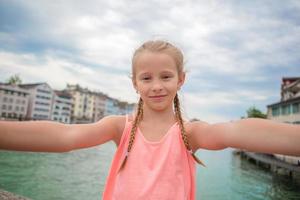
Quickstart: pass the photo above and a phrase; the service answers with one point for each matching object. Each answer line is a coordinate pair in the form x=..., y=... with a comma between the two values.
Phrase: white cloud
x=91, y=43
x=58, y=72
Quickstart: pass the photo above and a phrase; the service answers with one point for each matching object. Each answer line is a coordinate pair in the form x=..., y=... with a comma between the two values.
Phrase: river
x=81, y=175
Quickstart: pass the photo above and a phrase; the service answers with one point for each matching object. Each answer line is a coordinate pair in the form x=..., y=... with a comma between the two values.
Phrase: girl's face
x=157, y=79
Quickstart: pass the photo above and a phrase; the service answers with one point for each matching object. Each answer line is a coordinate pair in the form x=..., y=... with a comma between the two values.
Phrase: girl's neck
x=154, y=116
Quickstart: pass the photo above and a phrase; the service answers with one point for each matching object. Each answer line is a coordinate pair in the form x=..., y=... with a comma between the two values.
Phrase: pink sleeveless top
x=160, y=170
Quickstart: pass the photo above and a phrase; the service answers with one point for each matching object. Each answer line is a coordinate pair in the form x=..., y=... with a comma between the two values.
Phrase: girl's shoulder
x=192, y=127
x=195, y=130
x=120, y=123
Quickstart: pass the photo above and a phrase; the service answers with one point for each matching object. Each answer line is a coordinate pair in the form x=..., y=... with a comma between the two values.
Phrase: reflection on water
x=81, y=175
x=276, y=186
x=230, y=177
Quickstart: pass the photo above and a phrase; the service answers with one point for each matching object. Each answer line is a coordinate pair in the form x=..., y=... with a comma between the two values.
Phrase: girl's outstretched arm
x=47, y=136
x=252, y=134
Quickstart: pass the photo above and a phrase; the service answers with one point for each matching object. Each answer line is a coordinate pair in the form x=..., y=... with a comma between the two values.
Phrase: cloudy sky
x=236, y=52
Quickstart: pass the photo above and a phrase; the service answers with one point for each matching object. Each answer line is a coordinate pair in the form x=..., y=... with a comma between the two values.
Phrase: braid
x=136, y=122
x=182, y=129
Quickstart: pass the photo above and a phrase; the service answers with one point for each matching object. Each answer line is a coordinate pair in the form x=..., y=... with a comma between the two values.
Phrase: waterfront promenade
x=271, y=162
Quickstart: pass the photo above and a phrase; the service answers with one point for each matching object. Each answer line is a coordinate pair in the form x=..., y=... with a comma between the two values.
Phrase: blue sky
x=236, y=52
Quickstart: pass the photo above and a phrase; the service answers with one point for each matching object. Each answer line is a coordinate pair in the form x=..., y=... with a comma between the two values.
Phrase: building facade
x=99, y=106
x=288, y=108
x=61, y=107
x=40, y=101
x=13, y=102
x=82, y=104
x=111, y=107
x=125, y=108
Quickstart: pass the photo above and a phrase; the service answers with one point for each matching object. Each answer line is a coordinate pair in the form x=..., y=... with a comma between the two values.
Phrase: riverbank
x=270, y=162
x=5, y=195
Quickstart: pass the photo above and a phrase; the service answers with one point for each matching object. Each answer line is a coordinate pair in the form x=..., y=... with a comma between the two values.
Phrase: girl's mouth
x=157, y=97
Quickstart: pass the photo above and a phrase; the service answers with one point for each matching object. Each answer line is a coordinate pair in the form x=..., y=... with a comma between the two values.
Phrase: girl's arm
x=252, y=134
x=47, y=136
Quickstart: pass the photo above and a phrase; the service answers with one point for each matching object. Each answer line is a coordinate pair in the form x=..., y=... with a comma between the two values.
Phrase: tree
x=256, y=113
x=15, y=80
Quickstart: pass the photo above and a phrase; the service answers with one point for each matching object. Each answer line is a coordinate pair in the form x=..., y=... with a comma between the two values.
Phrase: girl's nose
x=157, y=86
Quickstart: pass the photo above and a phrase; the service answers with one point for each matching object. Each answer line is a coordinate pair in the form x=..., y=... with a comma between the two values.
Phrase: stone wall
x=4, y=195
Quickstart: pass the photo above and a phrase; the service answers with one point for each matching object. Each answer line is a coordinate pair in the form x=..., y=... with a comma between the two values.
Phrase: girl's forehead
x=154, y=61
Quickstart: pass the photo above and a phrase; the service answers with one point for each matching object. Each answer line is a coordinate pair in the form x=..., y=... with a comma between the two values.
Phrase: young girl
x=155, y=158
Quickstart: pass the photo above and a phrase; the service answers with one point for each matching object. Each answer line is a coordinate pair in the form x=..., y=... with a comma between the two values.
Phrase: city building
x=82, y=104
x=61, y=107
x=125, y=108
x=99, y=106
x=13, y=102
x=288, y=108
x=111, y=107
x=40, y=101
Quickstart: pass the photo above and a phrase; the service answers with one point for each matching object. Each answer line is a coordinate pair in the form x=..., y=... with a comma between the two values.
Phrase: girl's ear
x=181, y=79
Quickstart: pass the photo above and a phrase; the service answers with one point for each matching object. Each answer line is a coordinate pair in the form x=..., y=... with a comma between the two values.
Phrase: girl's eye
x=145, y=78
x=166, y=76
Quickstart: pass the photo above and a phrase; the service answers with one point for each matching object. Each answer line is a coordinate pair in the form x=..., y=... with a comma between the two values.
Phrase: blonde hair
x=161, y=47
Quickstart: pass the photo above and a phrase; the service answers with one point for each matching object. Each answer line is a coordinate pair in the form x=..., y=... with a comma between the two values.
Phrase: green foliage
x=253, y=112
x=15, y=79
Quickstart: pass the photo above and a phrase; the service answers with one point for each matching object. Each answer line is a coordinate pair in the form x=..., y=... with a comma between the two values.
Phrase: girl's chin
x=158, y=107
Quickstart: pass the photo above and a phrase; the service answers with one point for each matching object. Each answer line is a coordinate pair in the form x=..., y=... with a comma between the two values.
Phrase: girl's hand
x=252, y=134
x=47, y=136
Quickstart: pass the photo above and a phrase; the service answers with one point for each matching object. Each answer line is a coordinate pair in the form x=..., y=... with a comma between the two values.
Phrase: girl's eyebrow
x=167, y=71
x=162, y=72
x=144, y=73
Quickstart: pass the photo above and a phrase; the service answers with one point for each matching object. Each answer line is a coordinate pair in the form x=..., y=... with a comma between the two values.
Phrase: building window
x=275, y=111
x=44, y=91
x=9, y=107
x=22, y=108
x=286, y=109
x=296, y=107
x=41, y=109
x=17, y=108
x=4, y=107
x=5, y=99
x=18, y=101
x=11, y=100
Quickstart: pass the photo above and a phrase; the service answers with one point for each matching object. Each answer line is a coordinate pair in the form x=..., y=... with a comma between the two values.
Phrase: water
x=227, y=176
x=81, y=175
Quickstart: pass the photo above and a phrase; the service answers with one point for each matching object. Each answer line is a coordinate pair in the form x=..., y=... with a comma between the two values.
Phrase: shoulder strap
x=127, y=119
x=126, y=129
